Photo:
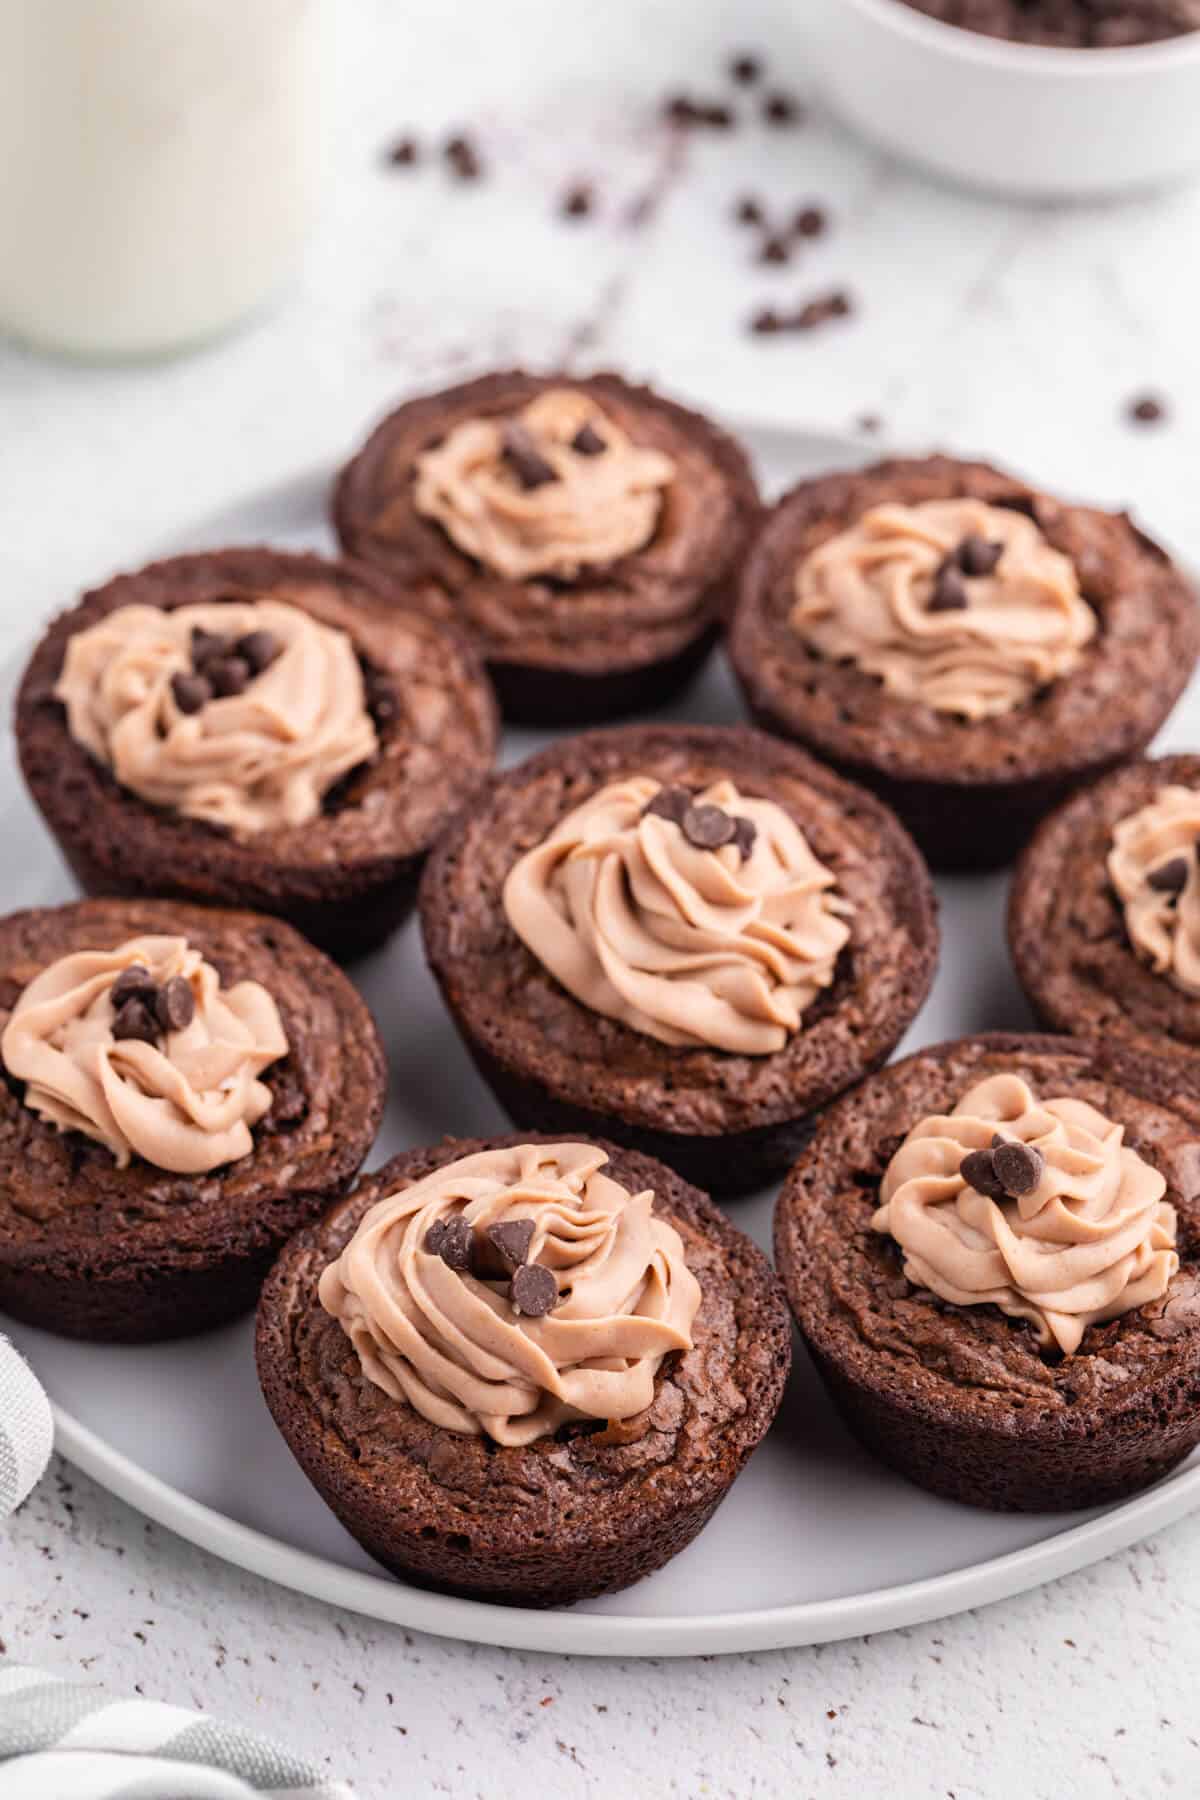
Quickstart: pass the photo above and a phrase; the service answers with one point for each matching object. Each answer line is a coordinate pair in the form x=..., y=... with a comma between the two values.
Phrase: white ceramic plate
x=816, y=1540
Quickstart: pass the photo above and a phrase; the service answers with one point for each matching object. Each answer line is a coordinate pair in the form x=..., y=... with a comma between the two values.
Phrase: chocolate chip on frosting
x=228, y=676
x=133, y=983
x=135, y=1020
x=744, y=833
x=670, y=803
x=190, y=692
x=978, y=1170
x=533, y=1290
x=588, y=442
x=501, y=1249
x=1018, y=1167
x=259, y=649
x=1170, y=877
x=949, y=590
x=208, y=646
x=708, y=827
x=175, y=1004
x=434, y=1236
x=524, y=458
x=976, y=556
x=454, y=1244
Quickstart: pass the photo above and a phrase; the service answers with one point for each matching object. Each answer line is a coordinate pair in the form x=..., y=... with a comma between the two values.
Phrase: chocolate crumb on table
x=781, y=109
x=463, y=157
x=1146, y=409
x=578, y=201
x=745, y=69
x=403, y=153
x=683, y=111
x=837, y=304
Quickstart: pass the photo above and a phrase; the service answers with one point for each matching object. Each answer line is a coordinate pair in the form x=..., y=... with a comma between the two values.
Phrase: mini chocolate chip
x=975, y=556
x=135, y=1020
x=1146, y=409
x=403, y=153
x=708, y=827
x=745, y=70
x=496, y=1252
x=749, y=211
x=524, y=458
x=978, y=1170
x=175, y=1004
x=588, y=442
x=133, y=983
x=1019, y=1167
x=949, y=590
x=766, y=322
x=669, y=803
x=780, y=109
x=259, y=649
x=775, y=250
x=744, y=833
x=190, y=692
x=229, y=676
x=454, y=1245
x=1170, y=877
x=811, y=222
x=208, y=646
x=434, y=1236
x=533, y=1290
x=578, y=201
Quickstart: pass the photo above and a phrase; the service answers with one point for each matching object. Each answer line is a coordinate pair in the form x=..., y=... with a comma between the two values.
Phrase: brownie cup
x=1068, y=24
x=584, y=533
x=222, y=1044
x=1104, y=912
x=557, y=1478
x=1070, y=1379
x=289, y=737
x=721, y=977
x=971, y=649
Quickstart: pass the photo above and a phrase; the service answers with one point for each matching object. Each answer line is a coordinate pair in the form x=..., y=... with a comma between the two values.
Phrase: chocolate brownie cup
x=584, y=533
x=521, y=1369
x=1104, y=913
x=968, y=647
x=255, y=728
x=183, y=1087
x=1068, y=24
x=685, y=938
x=992, y=1250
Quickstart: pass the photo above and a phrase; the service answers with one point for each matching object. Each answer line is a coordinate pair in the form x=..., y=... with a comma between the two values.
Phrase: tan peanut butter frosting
x=700, y=919
x=962, y=606
x=1152, y=866
x=142, y=1050
x=433, y=1309
x=557, y=488
x=1038, y=1207
x=243, y=714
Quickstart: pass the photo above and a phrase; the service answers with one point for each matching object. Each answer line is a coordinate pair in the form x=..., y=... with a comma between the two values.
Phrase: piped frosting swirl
x=454, y=1346
x=1153, y=868
x=918, y=597
x=722, y=947
x=183, y=1099
x=263, y=756
x=557, y=488
x=1089, y=1240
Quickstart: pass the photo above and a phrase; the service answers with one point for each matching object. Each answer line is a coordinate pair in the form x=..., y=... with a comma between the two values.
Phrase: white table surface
x=983, y=326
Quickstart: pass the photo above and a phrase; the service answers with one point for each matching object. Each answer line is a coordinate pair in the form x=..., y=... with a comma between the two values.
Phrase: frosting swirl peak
x=555, y=489
x=455, y=1348
x=1153, y=867
x=264, y=755
x=1091, y=1238
x=919, y=597
x=181, y=1098
x=721, y=947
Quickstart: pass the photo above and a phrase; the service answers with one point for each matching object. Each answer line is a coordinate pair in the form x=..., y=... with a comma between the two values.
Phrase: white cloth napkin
x=67, y=1740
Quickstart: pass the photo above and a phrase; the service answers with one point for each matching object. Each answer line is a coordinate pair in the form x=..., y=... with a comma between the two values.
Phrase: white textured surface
x=983, y=326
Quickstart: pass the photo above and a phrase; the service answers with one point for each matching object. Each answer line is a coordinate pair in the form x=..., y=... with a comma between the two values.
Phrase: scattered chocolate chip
x=229, y=676
x=588, y=442
x=811, y=222
x=259, y=649
x=949, y=590
x=133, y=983
x=749, y=211
x=669, y=803
x=175, y=1004
x=208, y=646
x=454, y=1244
x=533, y=1290
x=1170, y=877
x=403, y=153
x=978, y=1170
x=1018, y=1167
x=135, y=1020
x=774, y=250
x=744, y=833
x=498, y=1251
x=190, y=692
x=780, y=109
x=524, y=458
x=434, y=1236
x=464, y=159
x=708, y=827
x=745, y=69
x=578, y=201
x=975, y=556
x=1146, y=409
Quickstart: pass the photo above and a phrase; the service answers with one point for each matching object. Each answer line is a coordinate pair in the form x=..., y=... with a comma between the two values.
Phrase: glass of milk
x=158, y=164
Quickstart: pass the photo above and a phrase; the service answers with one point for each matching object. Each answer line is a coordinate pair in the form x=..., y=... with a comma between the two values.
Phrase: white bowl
x=1016, y=118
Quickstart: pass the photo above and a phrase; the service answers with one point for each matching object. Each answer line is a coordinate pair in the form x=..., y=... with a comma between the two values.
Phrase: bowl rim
x=960, y=43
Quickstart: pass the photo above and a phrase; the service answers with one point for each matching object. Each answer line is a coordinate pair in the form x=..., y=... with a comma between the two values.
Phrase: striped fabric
x=66, y=1740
